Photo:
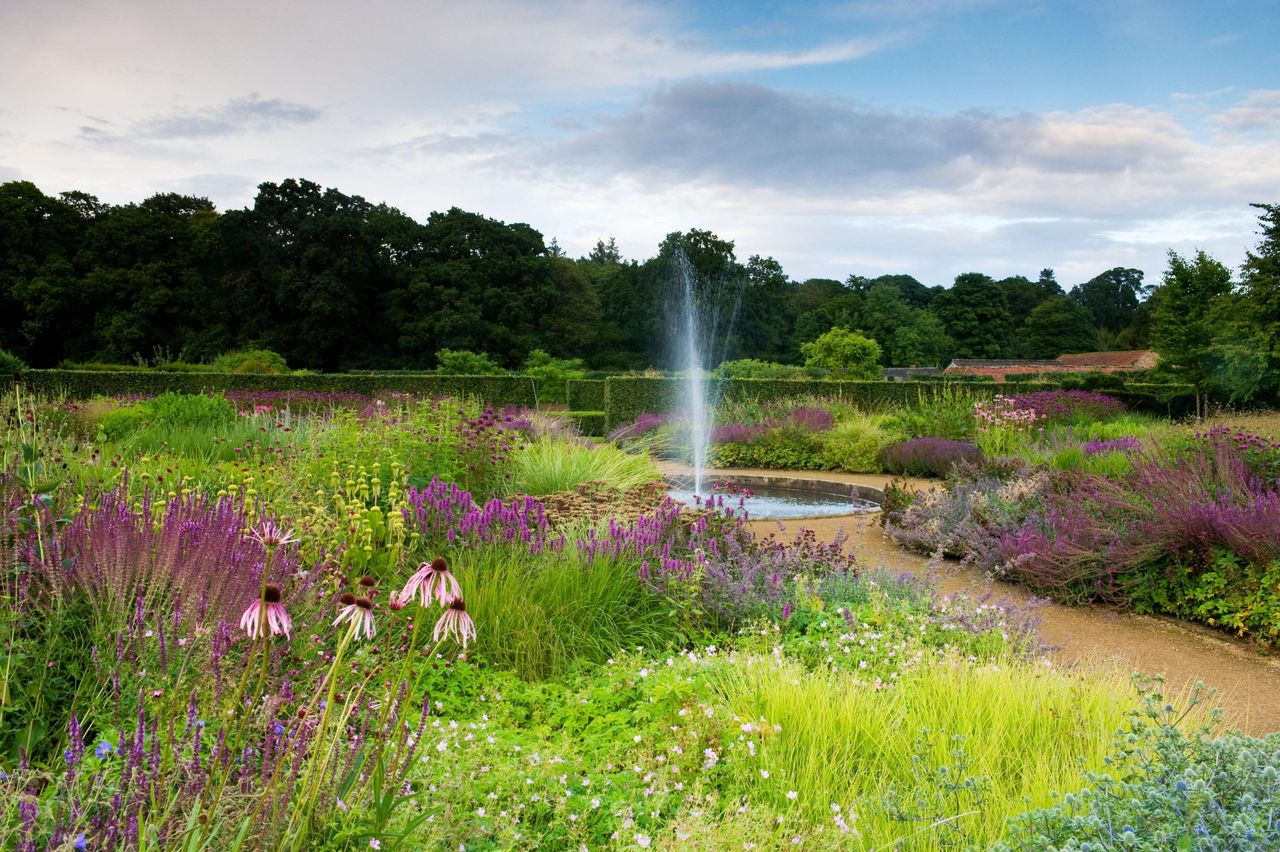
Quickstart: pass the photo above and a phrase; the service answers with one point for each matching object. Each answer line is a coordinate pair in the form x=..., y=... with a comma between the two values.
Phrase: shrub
x=463, y=362
x=251, y=361
x=844, y=353
x=751, y=368
x=1166, y=789
x=553, y=375
x=945, y=413
x=854, y=445
x=928, y=456
x=10, y=364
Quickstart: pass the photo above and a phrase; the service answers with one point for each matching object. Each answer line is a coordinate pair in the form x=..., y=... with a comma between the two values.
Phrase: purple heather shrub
x=1127, y=444
x=1089, y=540
x=190, y=557
x=1068, y=404
x=644, y=423
x=928, y=456
x=738, y=433
x=812, y=419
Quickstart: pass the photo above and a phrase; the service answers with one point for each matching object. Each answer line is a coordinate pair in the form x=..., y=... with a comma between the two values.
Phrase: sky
x=866, y=137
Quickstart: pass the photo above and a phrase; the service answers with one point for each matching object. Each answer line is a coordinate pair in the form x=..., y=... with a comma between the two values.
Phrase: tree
x=1112, y=297
x=1260, y=292
x=1022, y=296
x=844, y=353
x=923, y=343
x=884, y=312
x=1184, y=323
x=1048, y=283
x=1055, y=326
x=976, y=316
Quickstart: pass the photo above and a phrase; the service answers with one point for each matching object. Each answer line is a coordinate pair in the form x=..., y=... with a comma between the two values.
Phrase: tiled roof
x=1135, y=359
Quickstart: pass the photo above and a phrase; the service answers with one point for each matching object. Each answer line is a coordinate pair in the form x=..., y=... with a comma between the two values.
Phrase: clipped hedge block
x=586, y=395
x=84, y=384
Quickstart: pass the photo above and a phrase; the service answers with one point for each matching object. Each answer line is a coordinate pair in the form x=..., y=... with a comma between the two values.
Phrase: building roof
x=1133, y=359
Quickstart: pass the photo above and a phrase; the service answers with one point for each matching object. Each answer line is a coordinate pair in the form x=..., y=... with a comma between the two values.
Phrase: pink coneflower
x=455, y=622
x=271, y=535
x=397, y=602
x=432, y=581
x=277, y=620
x=359, y=612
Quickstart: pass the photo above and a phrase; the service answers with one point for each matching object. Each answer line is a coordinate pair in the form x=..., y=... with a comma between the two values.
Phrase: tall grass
x=547, y=466
x=889, y=754
x=945, y=412
x=536, y=614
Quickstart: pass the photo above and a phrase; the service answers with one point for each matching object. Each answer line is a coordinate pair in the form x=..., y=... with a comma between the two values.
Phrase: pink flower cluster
x=1003, y=411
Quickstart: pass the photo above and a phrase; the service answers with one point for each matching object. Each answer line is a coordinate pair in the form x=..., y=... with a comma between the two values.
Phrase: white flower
x=643, y=840
x=792, y=794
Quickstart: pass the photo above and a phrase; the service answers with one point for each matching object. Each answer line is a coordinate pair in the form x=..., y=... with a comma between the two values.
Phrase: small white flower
x=792, y=794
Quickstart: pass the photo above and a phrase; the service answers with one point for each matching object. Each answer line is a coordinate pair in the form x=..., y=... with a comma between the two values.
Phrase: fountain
x=695, y=375
x=697, y=327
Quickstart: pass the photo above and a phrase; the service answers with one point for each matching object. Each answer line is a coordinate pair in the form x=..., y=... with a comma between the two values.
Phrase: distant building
x=906, y=374
x=1128, y=361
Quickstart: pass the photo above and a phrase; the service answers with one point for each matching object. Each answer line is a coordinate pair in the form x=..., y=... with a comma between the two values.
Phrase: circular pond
x=778, y=497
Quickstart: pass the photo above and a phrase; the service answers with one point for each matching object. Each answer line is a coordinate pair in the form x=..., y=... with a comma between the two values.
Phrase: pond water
x=774, y=502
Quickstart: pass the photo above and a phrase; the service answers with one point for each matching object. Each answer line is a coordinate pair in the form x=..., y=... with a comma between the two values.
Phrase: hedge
x=586, y=395
x=83, y=384
x=626, y=397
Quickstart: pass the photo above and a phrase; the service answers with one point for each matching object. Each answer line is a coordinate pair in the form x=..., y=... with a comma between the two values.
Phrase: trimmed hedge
x=586, y=395
x=626, y=397
x=83, y=384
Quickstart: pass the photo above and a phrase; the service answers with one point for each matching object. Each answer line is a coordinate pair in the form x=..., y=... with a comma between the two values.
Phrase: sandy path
x=1248, y=682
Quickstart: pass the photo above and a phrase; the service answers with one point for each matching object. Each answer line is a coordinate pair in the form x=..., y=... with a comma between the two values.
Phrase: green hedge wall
x=82, y=384
x=586, y=394
x=626, y=397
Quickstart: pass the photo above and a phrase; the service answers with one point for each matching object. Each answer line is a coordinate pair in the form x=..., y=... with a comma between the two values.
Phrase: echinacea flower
x=271, y=535
x=455, y=622
x=277, y=621
x=359, y=612
x=397, y=602
x=432, y=581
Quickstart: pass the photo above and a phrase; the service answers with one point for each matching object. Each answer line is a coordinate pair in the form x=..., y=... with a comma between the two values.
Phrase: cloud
x=249, y=114
x=1259, y=112
x=746, y=133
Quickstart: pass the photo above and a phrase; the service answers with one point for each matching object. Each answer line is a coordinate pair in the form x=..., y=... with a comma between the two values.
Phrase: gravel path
x=1247, y=681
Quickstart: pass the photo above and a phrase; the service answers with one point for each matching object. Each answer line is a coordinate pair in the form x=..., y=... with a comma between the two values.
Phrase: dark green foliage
x=975, y=313
x=498, y=390
x=1184, y=325
x=586, y=394
x=464, y=362
x=1057, y=326
x=250, y=361
x=1112, y=298
x=10, y=364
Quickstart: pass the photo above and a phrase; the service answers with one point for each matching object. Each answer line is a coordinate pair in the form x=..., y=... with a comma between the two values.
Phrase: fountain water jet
x=695, y=382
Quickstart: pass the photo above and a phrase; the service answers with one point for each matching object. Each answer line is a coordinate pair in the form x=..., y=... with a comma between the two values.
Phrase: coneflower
x=277, y=620
x=359, y=612
x=455, y=622
x=271, y=535
x=432, y=582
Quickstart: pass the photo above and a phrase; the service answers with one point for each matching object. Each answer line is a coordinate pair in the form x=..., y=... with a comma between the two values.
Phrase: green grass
x=536, y=614
x=1030, y=730
x=546, y=467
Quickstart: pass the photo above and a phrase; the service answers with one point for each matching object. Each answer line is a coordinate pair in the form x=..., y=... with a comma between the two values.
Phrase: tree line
x=334, y=282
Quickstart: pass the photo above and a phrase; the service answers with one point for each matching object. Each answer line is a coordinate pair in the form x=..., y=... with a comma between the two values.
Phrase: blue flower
x=279, y=729
x=1180, y=786
x=104, y=748
x=81, y=842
